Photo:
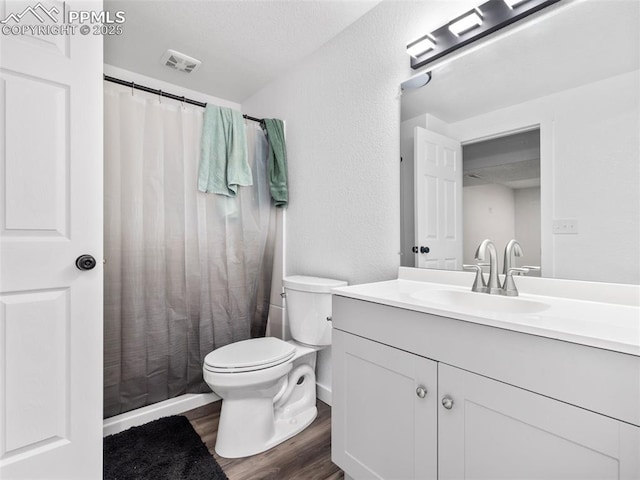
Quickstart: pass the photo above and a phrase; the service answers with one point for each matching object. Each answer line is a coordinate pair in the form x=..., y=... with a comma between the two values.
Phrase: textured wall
x=342, y=111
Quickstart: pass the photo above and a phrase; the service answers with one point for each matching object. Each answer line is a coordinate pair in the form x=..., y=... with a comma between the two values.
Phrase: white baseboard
x=140, y=416
x=323, y=393
x=176, y=406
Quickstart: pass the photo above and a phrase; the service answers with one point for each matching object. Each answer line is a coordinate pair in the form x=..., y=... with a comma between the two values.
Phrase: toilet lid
x=249, y=355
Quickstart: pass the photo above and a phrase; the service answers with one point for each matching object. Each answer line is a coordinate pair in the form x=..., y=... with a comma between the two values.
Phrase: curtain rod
x=137, y=86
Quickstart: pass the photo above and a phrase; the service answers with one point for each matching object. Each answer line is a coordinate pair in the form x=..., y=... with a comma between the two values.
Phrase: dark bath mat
x=165, y=449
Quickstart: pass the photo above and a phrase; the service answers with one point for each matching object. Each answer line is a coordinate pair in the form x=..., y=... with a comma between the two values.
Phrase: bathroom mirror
x=558, y=97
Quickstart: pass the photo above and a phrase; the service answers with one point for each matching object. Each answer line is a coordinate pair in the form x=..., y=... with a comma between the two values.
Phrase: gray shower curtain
x=186, y=272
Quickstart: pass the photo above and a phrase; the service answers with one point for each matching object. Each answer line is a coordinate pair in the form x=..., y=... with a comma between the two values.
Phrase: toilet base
x=263, y=408
x=284, y=429
x=251, y=424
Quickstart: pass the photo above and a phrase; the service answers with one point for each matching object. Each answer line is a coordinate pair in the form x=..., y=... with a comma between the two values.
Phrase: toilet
x=268, y=385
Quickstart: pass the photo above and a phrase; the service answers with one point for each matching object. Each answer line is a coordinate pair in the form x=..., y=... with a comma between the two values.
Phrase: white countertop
x=611, y=325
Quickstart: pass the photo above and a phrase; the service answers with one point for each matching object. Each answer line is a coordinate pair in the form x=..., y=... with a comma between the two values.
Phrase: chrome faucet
x=493, y=287
x=513, y=248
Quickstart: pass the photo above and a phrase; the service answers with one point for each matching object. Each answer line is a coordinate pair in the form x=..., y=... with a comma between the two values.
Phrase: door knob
x=424, y=249
x=85, y=262
x=421, y=391
x=447, y=402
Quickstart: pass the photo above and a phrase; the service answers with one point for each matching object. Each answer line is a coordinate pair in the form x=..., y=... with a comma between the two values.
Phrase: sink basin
x=480, y=301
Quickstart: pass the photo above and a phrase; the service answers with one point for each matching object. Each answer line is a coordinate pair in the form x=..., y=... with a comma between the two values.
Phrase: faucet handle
x=509, y=285
x=518, y=270
x=531, y=267
x=479, y=284
x=475, y=268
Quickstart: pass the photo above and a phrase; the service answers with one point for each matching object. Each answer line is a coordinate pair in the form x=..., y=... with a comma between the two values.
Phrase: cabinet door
x=382, y=428
x=497, y=431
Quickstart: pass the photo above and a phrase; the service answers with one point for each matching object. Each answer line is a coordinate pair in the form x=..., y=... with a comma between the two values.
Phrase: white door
x=384, y=411
x=438, y=194
x=50, y=214
x=497, y=431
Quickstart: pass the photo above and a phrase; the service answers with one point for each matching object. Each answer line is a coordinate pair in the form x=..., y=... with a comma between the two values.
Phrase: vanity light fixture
x=421, y=46
x=471, y=26
x=466, y=22
x=514, y=3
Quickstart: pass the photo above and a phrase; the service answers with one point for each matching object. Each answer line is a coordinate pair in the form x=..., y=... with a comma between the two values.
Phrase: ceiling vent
x=180, y=61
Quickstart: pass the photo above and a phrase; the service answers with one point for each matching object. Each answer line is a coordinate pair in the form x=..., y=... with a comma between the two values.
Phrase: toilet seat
x=249, y=355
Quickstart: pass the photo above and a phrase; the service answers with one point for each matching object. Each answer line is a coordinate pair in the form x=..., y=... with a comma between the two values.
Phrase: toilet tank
x=309, y=308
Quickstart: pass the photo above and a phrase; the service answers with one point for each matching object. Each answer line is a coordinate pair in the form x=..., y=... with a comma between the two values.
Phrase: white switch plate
x=565, y=226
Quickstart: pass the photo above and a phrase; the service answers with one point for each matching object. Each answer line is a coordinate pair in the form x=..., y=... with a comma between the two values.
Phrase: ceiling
x=512, y=161
x=570, y=44
x=243, y=44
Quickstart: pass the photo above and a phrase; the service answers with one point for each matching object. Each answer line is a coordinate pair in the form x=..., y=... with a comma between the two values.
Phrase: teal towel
x=224, y=162
x=278, y=184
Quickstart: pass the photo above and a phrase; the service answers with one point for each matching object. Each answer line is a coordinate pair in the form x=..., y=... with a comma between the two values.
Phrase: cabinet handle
x=421, y=391
x=447, y=402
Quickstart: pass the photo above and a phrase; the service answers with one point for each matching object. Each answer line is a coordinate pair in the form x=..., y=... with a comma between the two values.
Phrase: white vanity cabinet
x=385, y=426
x=522, y=406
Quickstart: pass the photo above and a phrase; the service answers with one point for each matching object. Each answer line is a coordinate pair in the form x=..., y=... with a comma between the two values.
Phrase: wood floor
x=306, y=456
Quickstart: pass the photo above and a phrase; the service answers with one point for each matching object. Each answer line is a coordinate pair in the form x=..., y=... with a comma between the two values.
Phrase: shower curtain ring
x=159, y=96
x=183, y=99
x=133, y=85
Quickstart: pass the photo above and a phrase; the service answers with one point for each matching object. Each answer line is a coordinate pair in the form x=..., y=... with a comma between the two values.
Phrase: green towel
x=278, y=184
x=224, y=162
